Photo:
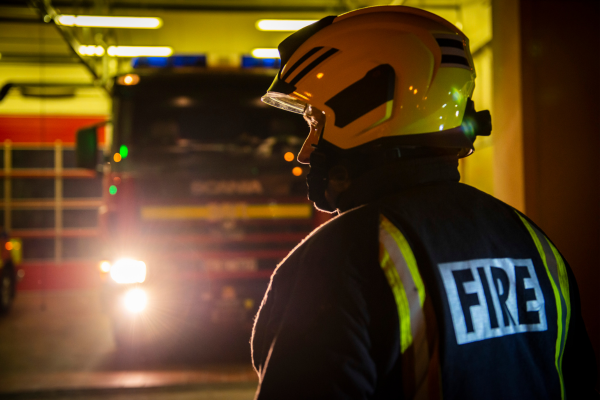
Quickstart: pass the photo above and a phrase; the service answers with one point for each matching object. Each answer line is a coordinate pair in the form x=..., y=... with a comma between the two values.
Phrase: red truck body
x=200, y=187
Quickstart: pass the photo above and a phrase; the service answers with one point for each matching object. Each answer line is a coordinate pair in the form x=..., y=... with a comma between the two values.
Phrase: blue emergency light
x=167, y=62
x=179, y=61
x=252, y=62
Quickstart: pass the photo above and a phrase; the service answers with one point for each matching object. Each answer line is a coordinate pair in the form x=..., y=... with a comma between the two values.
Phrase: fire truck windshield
x=205, y=134
x=200, y=111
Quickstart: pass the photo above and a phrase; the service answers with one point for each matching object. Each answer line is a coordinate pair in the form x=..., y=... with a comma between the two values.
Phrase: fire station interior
x=62, y=330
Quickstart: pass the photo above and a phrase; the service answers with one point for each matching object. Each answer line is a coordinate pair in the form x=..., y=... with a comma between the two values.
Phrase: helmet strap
x=332, y=170
x=318, y=180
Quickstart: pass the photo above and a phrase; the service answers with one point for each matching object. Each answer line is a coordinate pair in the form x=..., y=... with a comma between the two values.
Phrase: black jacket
x=422, y=288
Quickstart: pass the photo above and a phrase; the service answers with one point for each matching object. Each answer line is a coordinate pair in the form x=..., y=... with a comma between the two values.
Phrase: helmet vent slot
x=452, y=59
x=312, y=65
x=300, y=61
x=457, y=44
x=453, y=51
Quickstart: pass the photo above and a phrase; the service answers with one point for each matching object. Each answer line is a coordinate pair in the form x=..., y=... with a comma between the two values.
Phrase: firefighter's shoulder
x=348, y=236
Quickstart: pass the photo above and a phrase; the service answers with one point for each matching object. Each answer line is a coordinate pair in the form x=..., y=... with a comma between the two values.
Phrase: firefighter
x=422, y=287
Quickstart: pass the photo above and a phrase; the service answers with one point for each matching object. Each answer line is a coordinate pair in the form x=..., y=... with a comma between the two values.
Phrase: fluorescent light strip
x=282, y=24
x=139, y=51
x=265, y=53
x=98, y=21
x=91, y=50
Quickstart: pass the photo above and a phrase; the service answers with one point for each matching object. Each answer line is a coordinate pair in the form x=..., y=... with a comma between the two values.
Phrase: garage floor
x=58, y=345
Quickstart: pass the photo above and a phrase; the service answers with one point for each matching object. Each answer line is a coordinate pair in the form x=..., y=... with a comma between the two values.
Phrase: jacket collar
x=395, y=177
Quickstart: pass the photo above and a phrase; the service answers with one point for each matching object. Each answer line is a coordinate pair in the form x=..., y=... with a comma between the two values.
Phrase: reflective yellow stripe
x=549, y=254
x=408, y=256
x=563, y=279
x=399, y=264
x=400, y=267
x=420, y=377
x=219, y=211
x=399, y=295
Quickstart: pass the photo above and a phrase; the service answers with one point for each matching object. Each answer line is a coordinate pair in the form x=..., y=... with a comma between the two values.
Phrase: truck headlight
x=127, y=270
x=135, y=300
x=104, y=266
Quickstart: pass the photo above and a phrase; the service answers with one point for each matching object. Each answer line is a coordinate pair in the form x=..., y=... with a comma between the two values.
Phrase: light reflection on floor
x=62, y=340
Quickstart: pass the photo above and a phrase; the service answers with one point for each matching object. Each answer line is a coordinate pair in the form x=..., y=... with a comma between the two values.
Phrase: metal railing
x=57, y=202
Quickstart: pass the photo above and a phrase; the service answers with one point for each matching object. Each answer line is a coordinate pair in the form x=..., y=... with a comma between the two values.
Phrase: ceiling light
x=140, y=51
x=282, y=24
x=265, y=53
x=109, y=22
x=91, y=50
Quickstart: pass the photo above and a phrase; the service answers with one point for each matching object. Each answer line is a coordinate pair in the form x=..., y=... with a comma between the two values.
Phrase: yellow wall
x=87, y=101
x=507, y=119
x=478, y=169
x=476, y=19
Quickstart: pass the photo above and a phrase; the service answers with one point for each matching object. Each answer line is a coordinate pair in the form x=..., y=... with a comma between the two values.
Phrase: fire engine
x=202, y=198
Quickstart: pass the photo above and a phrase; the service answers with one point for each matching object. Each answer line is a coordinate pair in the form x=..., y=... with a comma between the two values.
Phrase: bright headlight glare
x=127, y=270
x=104, y=266
x=135, y=300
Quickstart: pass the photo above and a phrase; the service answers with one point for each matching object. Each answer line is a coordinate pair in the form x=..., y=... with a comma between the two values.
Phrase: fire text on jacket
x=493, y=297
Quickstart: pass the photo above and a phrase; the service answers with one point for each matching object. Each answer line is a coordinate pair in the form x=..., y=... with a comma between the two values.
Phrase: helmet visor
x=285, y=102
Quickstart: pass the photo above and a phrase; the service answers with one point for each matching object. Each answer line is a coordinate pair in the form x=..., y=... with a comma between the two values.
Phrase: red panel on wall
x=36, y=129
x=67, y=275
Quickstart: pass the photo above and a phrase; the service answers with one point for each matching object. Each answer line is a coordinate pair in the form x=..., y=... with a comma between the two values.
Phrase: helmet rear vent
x=453, y=51
x=457, y=44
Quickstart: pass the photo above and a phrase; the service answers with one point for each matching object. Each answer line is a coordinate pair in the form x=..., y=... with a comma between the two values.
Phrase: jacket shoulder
x=353, y=226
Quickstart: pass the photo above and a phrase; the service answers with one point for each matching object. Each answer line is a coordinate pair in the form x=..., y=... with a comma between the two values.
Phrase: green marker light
x=112, y=189
x=124, y=151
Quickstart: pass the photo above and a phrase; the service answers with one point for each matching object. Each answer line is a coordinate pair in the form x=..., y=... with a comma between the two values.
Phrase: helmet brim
x=285, y=102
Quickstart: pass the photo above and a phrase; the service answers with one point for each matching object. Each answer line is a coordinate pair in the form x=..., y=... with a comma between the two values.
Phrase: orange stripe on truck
x=221, y=211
